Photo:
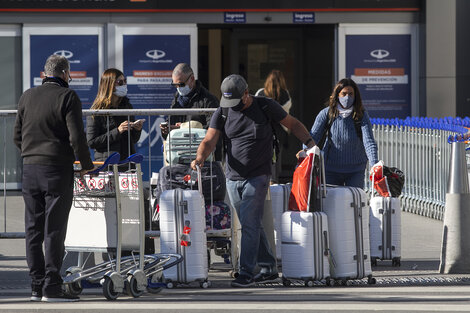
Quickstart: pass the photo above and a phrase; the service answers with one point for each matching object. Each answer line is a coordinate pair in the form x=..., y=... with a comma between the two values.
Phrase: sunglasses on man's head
x=121, y=82
x=181, y=84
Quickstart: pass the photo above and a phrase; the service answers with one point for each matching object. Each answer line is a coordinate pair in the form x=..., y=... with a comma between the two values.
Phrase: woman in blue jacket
x=344, y=132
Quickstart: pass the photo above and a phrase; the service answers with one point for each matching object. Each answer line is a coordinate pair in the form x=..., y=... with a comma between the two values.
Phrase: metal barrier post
x=455, y=252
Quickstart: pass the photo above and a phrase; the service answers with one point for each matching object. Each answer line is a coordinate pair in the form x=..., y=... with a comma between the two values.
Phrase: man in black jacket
x=190, y=94
x=49, y=132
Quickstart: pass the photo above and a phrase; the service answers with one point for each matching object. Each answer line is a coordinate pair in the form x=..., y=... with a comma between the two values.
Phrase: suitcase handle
x=199, y=179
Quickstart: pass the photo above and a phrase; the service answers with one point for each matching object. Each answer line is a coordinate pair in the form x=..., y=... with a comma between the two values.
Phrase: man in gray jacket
x=49, y=132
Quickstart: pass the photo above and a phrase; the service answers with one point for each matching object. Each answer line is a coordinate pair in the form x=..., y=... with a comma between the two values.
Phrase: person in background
x=49, y=132
x=190, y=94
x=344, y=133
x=123, y=133
x=276, y=89
x=246, y=128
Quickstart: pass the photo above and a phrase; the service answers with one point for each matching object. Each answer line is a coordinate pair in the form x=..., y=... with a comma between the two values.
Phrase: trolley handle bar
x=112, y=159
x=134, y=158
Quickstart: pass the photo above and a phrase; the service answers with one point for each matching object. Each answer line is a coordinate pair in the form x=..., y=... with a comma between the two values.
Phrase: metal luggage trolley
x=107, y=215
x=181, y=146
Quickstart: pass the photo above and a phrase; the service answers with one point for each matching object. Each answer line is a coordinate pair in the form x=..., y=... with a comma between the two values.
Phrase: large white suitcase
x=305, y=249
x=348, y=223
x=280, y=203
x=179, y=209
x=385, y=230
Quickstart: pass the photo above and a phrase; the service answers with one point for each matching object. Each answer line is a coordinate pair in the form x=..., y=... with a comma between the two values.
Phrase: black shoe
x=266, y=277
x=243, y=281
x=60, y=297
x=36, y=295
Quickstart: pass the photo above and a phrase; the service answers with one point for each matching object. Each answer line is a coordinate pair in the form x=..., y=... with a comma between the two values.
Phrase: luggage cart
x=107, y=215
x=224, y=242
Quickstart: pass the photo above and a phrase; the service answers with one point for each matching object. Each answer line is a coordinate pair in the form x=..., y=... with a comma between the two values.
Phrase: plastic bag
x=388, y=181
x=302, y=182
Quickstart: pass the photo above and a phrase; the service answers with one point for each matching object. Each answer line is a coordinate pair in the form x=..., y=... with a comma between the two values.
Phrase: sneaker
x=36, y=295
x=60, y=297
x=243, y=281
x=266, y=277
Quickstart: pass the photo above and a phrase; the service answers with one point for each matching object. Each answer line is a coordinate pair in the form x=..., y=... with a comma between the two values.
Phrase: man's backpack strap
x=267, y=113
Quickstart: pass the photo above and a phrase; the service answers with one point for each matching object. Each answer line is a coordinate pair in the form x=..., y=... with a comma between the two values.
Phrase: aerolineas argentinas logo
x=379, y=53
x=64, y=53
x=67, y=54
x=155, y=56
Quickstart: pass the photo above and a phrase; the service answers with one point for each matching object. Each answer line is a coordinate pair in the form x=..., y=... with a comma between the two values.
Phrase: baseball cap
x=233, y=87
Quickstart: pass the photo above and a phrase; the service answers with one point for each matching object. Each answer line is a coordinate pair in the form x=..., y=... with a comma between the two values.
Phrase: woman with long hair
x=275, y=88
x=344, y=132
x=120, y=135
x=112, y=93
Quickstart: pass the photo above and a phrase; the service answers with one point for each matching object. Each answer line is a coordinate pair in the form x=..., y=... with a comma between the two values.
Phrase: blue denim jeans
x=247, y=197
x=355, y=179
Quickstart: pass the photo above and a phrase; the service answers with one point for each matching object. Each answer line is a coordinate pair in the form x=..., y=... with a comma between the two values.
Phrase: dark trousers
x=48, y=194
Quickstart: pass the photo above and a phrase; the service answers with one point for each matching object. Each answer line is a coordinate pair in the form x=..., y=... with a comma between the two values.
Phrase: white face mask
x=121, y=91
x=183, y=91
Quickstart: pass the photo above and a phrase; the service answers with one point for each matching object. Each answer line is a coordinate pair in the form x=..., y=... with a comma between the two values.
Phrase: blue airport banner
x=148, y=62
x=82, y=53
x=381, y=66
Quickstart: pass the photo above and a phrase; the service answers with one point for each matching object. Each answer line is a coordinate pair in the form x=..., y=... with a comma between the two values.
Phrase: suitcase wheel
x=371, y=280
x=396, y=262
x=373, y=261
x=309, y=283
x=286, y=282
x=170, y=285
x=234, y=274
x=329, y=282
x=205, y=284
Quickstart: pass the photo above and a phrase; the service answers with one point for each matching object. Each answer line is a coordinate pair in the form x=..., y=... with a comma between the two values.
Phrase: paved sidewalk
x=416, y=286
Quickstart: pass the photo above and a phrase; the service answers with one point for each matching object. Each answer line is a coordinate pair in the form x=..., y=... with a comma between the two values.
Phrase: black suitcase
x=182, y=176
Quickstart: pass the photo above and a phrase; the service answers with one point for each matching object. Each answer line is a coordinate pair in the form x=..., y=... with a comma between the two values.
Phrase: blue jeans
x=247, y=197
x=355, y=179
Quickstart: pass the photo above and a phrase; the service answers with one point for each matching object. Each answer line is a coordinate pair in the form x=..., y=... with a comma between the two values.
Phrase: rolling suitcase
x=304, y=245
x=182, y=231
x=304, y=235
x=280, y=202
x=385, y=230
x=348, y=223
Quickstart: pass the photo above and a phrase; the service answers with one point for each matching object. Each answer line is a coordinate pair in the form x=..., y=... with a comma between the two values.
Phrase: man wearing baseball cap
x=245, y=122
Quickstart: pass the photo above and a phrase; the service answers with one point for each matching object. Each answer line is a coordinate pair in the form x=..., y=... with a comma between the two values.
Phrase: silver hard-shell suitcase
x=180, y=210
x=348, y=223
x=385, y=230
x=280, y=203
x=304, y=244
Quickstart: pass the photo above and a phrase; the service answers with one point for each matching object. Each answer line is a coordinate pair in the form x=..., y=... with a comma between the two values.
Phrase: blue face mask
x=346, y=102
x=239, y=106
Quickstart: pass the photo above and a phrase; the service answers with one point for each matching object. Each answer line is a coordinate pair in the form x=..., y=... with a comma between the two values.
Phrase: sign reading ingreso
x=300, y=17
x=235, y=17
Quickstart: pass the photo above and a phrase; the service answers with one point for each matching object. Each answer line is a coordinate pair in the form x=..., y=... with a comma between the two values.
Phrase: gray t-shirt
x=249, y=139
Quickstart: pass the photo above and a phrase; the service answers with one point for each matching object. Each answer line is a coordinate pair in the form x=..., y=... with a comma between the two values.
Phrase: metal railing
x=151, y=133
x=419, y=147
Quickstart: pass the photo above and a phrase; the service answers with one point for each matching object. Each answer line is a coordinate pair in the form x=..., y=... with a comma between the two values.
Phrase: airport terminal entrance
x=305, y=54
